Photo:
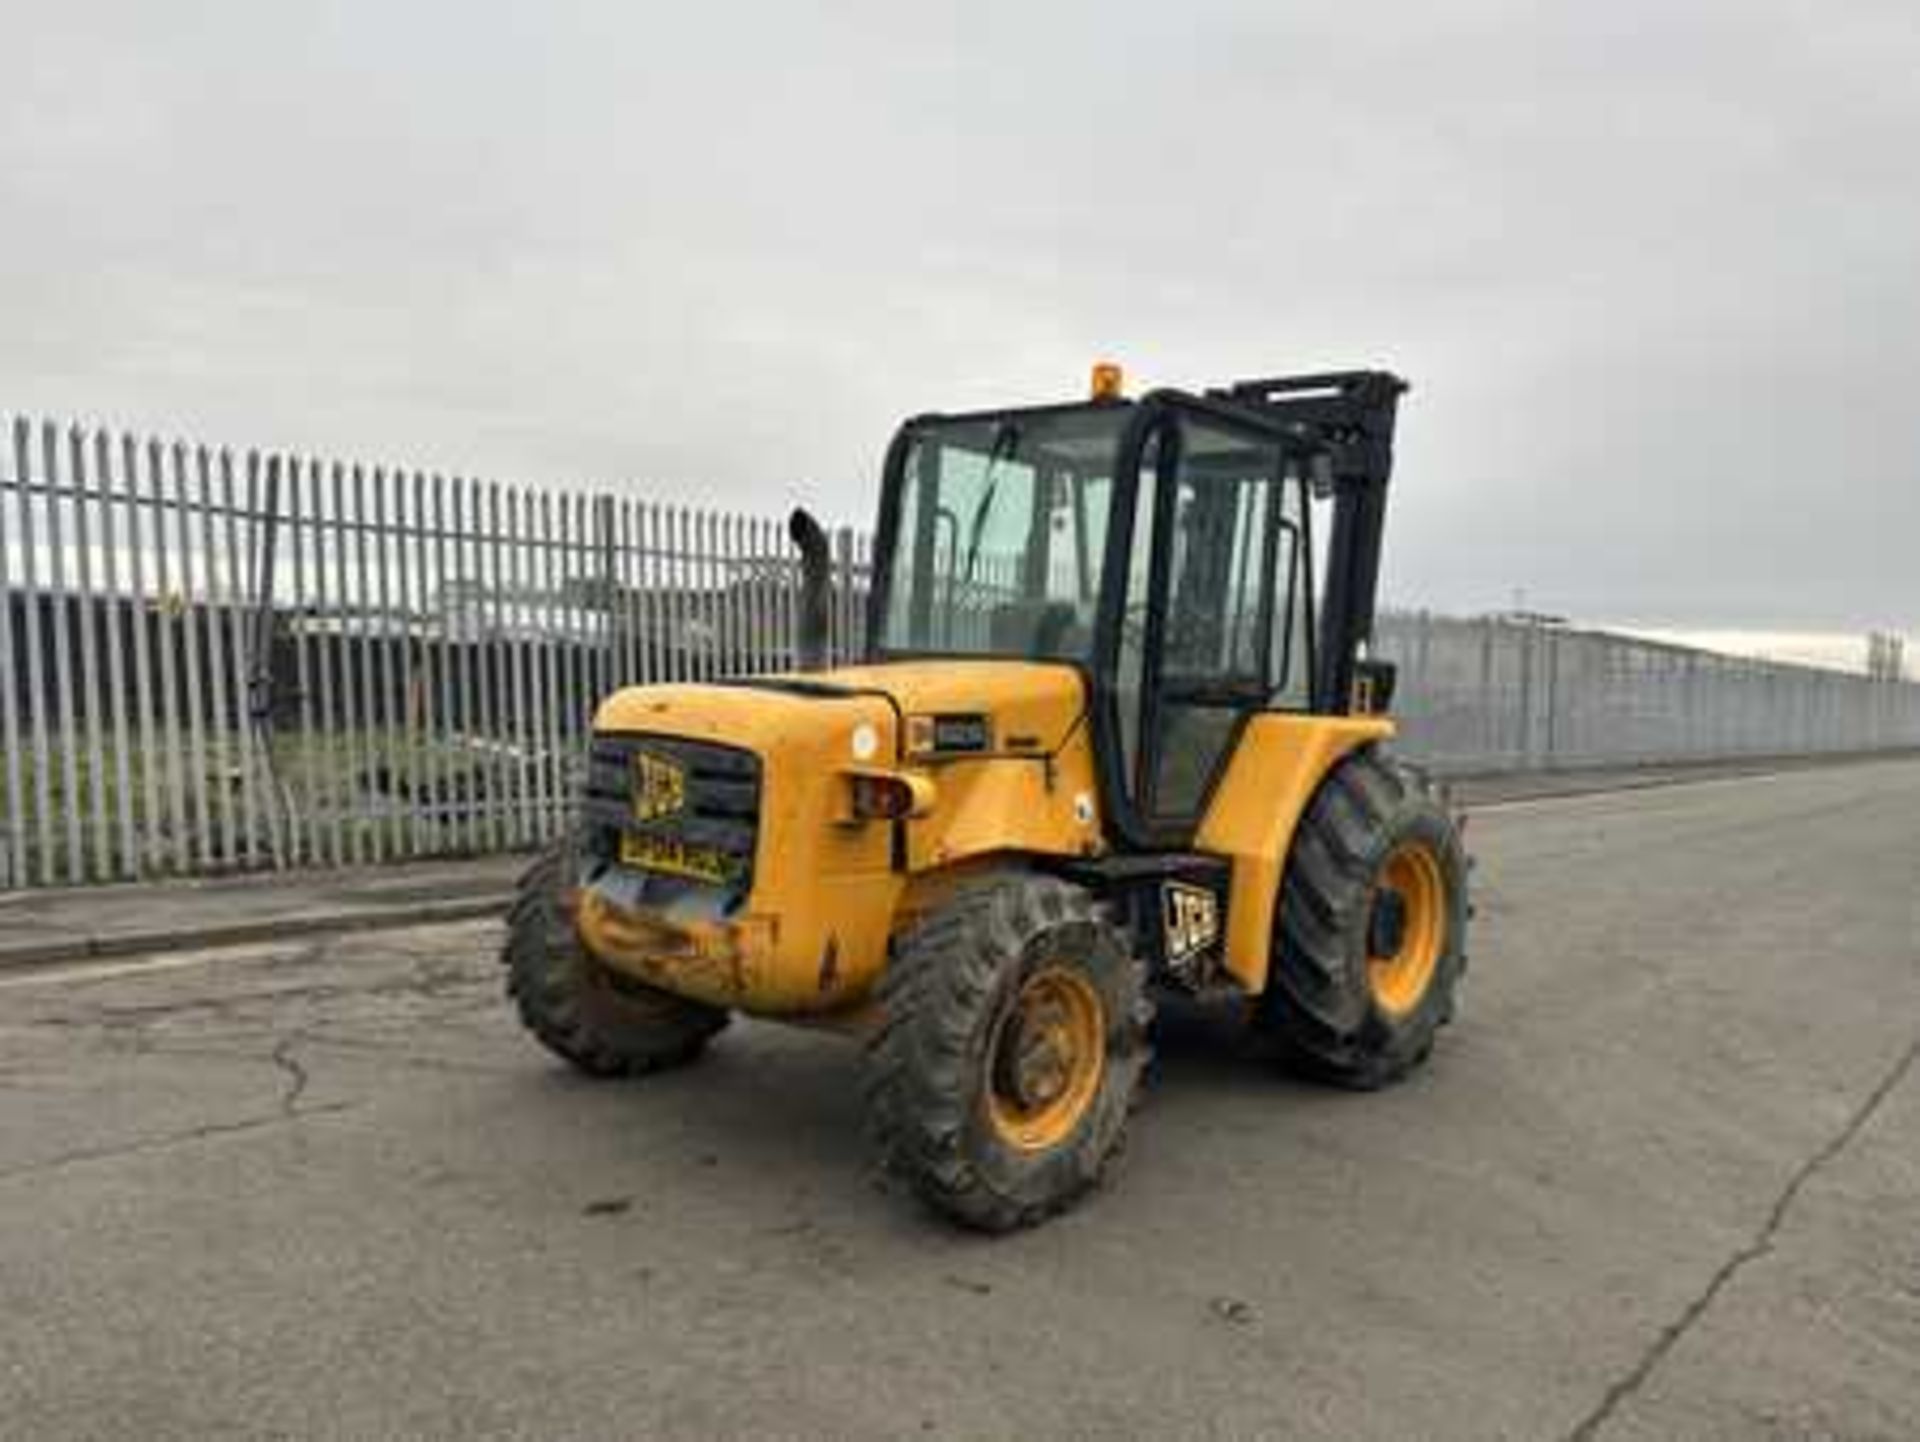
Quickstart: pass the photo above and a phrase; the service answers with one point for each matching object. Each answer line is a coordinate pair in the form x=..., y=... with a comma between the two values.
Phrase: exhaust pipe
x=816, y=588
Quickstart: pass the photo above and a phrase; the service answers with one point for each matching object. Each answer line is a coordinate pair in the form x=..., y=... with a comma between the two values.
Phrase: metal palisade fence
x=215, y=661
x=1494, y=694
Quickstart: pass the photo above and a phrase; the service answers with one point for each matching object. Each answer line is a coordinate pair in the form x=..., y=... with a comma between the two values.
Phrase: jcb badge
x=1191, y=916
x=659, y=786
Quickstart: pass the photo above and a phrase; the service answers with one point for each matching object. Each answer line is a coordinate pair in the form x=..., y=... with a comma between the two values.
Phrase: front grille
x=718, y=804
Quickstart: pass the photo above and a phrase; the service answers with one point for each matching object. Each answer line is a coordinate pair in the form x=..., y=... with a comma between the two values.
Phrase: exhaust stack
x=816, y=588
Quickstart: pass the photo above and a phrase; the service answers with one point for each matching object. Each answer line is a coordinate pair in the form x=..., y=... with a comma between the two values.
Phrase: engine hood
x=1029, y=705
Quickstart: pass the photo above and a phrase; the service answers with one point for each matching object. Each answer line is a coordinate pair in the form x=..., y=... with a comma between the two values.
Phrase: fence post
x=15, y=873
x=840, y=639
x=1524, y=635
x=109, y=484
x=260, y=702
x=1550, y=642
x=610, y=606
x=1689, y=719
x=1488, y=713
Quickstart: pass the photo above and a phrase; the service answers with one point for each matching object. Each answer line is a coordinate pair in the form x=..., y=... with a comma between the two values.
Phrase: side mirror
x=1373, y=684
x=1320, y=476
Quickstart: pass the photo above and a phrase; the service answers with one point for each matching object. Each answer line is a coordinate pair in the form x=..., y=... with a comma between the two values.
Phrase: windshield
x=1002, y=529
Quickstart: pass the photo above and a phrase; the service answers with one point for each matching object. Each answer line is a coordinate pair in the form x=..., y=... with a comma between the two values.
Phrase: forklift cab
x=1198, y=558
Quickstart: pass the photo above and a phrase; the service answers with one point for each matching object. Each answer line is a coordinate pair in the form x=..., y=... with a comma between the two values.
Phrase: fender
x=1279, y=763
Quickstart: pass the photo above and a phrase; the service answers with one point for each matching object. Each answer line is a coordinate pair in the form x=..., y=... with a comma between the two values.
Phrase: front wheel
x=1011, y=1052
x=579, y=1009
x=1370, y=932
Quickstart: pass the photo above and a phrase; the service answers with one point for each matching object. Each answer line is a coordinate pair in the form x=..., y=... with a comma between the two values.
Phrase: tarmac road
x=1663, y=1181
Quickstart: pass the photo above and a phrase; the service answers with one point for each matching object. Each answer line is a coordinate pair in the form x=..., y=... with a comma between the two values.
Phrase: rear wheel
x=578, y=1008
x=1011, y=1053
x=1370, y=933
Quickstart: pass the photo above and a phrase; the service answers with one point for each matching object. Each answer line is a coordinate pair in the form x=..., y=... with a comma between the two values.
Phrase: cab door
x=1215, y=621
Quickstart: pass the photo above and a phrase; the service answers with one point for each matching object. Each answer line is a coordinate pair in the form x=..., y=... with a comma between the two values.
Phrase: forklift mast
x=1342, y=424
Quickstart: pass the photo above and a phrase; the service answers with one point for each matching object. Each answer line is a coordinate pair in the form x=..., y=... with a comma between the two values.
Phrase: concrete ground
x=1662, y=1181
x=59, y=924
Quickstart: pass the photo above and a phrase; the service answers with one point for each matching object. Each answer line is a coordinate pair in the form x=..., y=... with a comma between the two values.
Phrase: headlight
x=886, y=796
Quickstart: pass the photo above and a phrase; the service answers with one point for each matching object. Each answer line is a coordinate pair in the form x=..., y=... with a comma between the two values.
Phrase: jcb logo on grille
x=1192, y=918
x=659, y=786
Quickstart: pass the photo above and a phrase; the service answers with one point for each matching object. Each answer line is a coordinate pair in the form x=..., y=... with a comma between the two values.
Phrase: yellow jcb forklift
x=1116, y=735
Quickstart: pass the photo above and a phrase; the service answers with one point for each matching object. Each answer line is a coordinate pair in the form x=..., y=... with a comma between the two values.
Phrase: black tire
x=1322, y=1005
x=954, y=991
x=601, y=1022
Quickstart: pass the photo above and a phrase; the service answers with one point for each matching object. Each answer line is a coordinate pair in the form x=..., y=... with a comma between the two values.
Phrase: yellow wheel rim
x=1049, y=1053
x=1399, y=980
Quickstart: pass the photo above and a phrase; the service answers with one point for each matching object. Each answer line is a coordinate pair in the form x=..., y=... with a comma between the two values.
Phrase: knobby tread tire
x=1318, y=1006
x=950, y=980
x=606, y=1026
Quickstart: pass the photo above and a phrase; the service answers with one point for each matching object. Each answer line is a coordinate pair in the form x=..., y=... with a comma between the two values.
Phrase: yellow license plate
x=676, y=858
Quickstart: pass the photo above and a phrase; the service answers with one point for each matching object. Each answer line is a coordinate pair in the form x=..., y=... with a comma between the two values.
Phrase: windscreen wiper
x=1005, y=440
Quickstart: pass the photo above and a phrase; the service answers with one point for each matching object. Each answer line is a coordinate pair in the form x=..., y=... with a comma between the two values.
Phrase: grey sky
x=1653, y=268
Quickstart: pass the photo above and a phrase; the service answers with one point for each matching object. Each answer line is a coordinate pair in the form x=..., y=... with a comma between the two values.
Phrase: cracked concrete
x=1759, y=1246
x=1662, y=1181
x=163, y=1142
x=295, y=1069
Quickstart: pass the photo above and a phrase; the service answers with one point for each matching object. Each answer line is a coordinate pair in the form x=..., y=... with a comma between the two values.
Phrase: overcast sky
x=1653, y=268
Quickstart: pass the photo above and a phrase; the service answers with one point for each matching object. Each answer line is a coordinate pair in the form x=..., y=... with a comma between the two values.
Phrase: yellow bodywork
x=827, y=894
x=829, y=890
x=1278, y=764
